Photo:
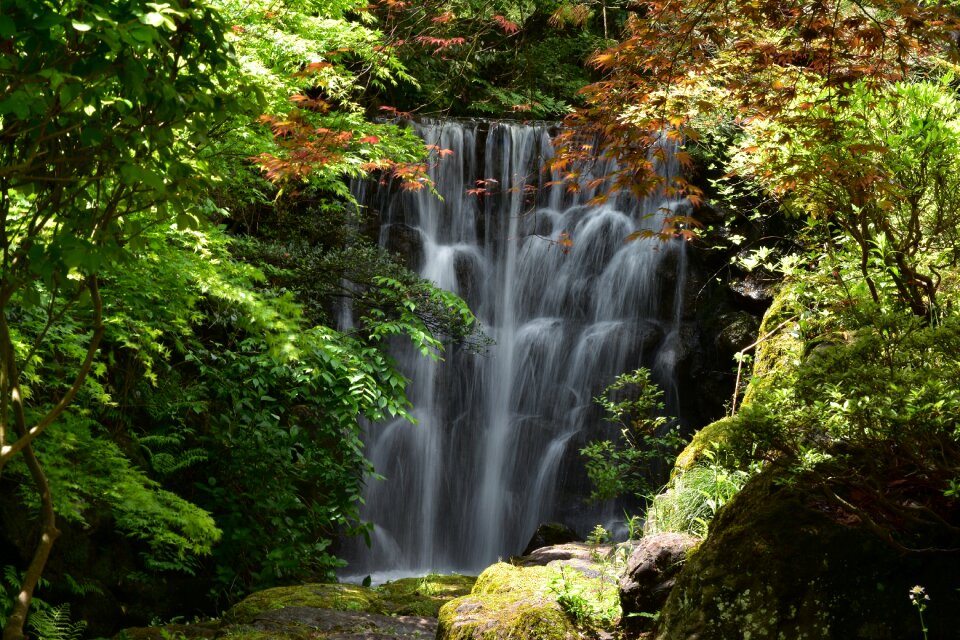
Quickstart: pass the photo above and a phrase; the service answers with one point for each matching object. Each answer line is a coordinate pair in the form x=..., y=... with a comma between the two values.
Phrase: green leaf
x=155, y=19
x=80, y=26
x=7, y=27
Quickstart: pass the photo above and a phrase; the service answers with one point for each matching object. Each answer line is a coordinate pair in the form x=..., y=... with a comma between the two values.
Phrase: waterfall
x=495, y=450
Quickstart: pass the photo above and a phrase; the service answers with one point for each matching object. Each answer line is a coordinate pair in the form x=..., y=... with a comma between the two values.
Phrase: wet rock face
x=753, y=291
x=650, y=575
x=781, y=563
x=548, y=534
x=406, y=241
x=738, y=330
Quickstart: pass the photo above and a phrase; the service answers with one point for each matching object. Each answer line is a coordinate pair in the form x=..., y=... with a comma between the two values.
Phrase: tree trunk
x=49, y=533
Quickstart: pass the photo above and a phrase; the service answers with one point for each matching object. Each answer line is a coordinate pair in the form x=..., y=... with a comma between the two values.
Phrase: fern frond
x=54, y=624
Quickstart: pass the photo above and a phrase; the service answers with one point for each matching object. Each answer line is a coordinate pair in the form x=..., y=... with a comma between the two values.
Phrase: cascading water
x=495, y=448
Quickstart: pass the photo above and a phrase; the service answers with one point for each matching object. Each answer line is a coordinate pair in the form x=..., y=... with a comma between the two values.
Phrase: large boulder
x=649, y=576
x=503, y=616
x=507, y=602
x=786, y=560
x=405, y=609
x=307, y=623
x=337, y=597
x=423, y=596
x=552, y=594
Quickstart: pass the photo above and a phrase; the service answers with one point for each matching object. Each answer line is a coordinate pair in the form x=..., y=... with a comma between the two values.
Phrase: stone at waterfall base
x=499, y=616
x=521, y=601
x=401, y=610
x=649, y=576
x=306, y=623
x=549, y=534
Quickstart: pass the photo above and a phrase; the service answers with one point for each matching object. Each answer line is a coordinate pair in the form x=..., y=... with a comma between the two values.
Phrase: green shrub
x=637, y=462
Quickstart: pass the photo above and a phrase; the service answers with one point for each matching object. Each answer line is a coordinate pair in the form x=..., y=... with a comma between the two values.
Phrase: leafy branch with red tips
x=684, y=66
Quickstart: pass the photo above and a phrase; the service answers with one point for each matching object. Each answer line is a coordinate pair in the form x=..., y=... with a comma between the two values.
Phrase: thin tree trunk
x=49, y=533
x=10, y=379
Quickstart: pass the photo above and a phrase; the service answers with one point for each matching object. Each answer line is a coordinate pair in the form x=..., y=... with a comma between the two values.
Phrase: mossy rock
x=715, y=434
x=781, y=350
x=423, y=596
x=199, y=631
x=782, y=562
x=503, y=578
x=250, y=633
x=338, y=597
x=243, y=633
x=525, y=601
x=307, y=623
x=507, y=615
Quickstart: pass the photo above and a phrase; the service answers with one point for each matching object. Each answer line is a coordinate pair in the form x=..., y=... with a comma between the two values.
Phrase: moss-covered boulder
x=406, y=597
x=783, y=561
x=715, y=434
x=402, y=610
x=508, y=602
x=337, y=597
x=499, y=616
x=423, y=596
x=555, y=593
x=507, y=578
x=307, y=623
x=199, y=631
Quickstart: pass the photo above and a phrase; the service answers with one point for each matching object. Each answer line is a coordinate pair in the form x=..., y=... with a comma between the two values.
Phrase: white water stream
x=495, y=449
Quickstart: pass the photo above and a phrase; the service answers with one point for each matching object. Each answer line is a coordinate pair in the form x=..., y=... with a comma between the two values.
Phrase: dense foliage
x=160, y=378
x=487, y=58
x=179, y=240
x=843, y=115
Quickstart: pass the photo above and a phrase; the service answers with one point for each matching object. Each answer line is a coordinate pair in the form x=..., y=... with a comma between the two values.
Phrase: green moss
x=781, y=350
x=584, y=600
x=498, y=616
x=777, y=564
x=203, y=630
x=340, y=597
x=507, y=578
x=423, y=596
x=714, y=434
